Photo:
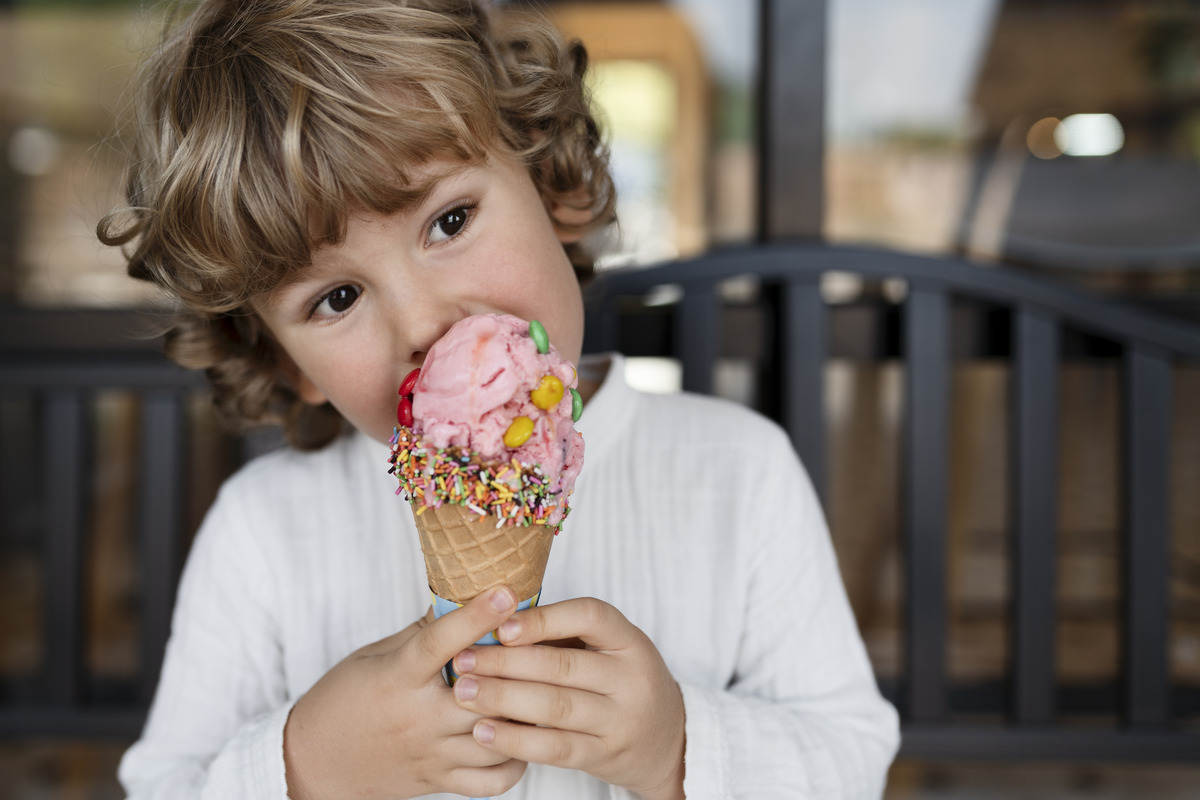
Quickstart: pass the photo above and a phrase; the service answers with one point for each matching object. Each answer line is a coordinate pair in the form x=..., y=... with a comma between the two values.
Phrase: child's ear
x=305, y=388
x=569, y=222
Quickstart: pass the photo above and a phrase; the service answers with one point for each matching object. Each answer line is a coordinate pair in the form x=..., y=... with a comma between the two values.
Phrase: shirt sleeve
x=215, y=728
x=802, y=717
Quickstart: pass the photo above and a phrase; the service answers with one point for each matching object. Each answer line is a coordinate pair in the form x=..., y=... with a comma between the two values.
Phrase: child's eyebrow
x=424, y=181
x=418, y=184
x=427, y=180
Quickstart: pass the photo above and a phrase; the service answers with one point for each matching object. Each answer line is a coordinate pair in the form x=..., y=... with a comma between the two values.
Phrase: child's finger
x=558, y=666
x=598, y=624
x=485, y=781
x=558, y=748
x=534, y=703
x=463, y=751
x=438, y=642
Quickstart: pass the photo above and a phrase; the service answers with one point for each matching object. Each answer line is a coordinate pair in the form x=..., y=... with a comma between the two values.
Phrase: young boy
x=325, y=187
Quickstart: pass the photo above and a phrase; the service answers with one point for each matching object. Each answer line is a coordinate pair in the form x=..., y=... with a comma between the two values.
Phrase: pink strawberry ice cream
x=494, y=403
x=478, y=378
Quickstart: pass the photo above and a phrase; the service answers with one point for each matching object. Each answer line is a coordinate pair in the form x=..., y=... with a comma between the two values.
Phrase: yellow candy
x=518, y=432
x=548, y=393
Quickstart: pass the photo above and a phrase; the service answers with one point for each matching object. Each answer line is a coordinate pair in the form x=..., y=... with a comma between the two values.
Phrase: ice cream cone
x=467, y=553
x=486, y=453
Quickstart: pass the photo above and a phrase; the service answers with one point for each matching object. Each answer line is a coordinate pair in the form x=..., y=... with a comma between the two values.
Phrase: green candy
x=538, y=334
x=576, y=406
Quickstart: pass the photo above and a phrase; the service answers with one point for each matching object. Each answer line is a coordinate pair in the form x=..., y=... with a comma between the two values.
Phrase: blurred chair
x=58, y=372
x=57, y=364
x=1035, y=324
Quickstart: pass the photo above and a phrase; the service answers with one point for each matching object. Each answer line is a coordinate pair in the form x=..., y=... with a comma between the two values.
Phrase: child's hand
x=612, y=710
x=383, y=723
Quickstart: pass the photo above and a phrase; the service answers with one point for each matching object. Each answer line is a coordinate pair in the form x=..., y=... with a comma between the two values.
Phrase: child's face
x=367, y=311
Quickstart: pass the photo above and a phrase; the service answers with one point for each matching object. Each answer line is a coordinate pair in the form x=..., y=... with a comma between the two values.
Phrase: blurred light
x=1090, y=135
x=1186, y=649
x=740, y=289
x=895, y=290
x=665, y=294
x=840, y=287
x=34, y=151
x=1042, y=138
x=734, y=379
x=638, y=97
x=654, y=375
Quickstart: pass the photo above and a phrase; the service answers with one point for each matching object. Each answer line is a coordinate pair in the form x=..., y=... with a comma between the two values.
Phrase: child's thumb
x=446, y=637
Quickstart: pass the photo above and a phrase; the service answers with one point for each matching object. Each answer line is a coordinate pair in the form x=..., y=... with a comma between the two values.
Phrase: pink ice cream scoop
x=495, y=386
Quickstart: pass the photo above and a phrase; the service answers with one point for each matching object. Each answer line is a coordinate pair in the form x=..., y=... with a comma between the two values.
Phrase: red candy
x=404, y=413
x=410, y=380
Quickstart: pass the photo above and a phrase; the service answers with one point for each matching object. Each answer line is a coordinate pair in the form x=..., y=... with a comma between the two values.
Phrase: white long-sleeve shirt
x=692, y=516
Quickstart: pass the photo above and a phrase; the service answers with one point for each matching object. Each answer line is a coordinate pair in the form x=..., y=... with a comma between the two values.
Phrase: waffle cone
x=465, y=553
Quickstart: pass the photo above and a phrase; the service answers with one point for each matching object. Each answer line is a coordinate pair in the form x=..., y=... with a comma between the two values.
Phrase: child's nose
x=421, y=328
x=419, y=307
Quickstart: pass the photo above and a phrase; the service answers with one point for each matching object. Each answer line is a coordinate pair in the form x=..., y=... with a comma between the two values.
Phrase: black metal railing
x=62, y=361
x=1040, y=315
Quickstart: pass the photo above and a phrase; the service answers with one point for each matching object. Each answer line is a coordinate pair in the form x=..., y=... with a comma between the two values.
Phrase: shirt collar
x=610, y=408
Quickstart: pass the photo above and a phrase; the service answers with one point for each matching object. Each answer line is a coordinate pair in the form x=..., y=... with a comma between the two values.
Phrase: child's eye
x=450, y=224
x=337, y=301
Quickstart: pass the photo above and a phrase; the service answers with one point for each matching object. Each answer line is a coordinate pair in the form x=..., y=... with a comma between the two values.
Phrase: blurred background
x=1059, y=137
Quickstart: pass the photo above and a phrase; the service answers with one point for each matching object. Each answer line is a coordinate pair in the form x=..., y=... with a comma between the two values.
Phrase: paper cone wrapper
x=466, y=553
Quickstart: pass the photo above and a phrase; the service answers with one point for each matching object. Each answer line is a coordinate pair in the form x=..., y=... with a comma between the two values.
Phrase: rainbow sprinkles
x=513, y=492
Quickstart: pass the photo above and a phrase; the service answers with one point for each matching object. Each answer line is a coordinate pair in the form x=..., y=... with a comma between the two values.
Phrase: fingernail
x=509, y=630
x=484, y=733
x=466, y=688
x=502, y=599
x=464, y=661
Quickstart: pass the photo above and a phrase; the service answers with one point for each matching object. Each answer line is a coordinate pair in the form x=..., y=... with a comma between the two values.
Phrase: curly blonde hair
x=261, y=125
